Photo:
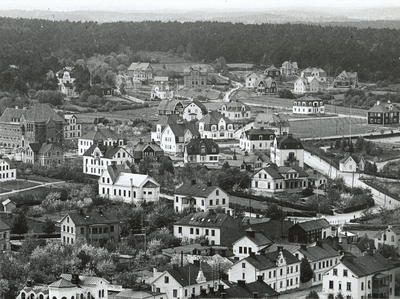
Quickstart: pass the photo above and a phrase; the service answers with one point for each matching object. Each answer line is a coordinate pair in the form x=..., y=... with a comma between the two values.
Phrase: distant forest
x=34, y=45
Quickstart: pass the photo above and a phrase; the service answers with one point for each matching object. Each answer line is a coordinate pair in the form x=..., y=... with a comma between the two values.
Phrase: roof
x=129, y=293
x=298, y=169
x=236, y=106
x=367, y=265
x=36, y=289
x=268, y=260
x=138, y=66
x=12, y=113
x=319, y=252
x=271, y=171
x=254, y=134
x=85, y=280
x=168, y=105
x=115, y=170
x=264, y=81
x=273, y=229
x=42, y=112
x=90, y=218
x=365, y=244
x=101, y=134
x=259, y=238
x=195, y=189
x=213, y=118
x=62, y=283
x=179, y=129
x=133, y=179
x=383, y=107
x=262, y=289
x=313, y=224
x=191, y=271
x=200, y=105
x=44, y=147
x=141, y=146
x=288, y=142
x=199, y=68
x=348, y=158
x=271, y=120
x=107, y=151
x=196, y=146
x=9, y=162
x=3, y=226
x=203, y=219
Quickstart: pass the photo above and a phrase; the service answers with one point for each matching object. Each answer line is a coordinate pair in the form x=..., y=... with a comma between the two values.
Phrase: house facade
x=253, y=241
x=175, y=136
x=72, y=129
x=99, y=135
x=164, y=120
x=142, y=150
x=306, y=85
x=383, y=114
x=272, y=72
x=389, y=236
x=308, y=105
x=10, y=128
x=349, y=164
x=287, y=150
x=195, y=76
x=8, y=171
x=277, y=122
x=314, y=72
x=265, y=85
x=45, y=154
x=309, y=231
x=251, y=80
x=236, y=111
x=170, y=106
x=216, y=126
x=346, y=80
x=201, y=151
x=97, y=227
x=289, y=68
x=66, y=82
x=256, y=139
x=140, y=72
x=161, y=90
x=194, y=111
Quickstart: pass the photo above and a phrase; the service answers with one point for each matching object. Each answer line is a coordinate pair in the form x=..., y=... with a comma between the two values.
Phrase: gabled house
x=170, y=106
x=346, y=80
x=383, y=114
x=198, y=196
x=143, y=150
x=72, y=129
x=306, y=85
x=97, y=227
x=251, y=80
x=5, y=232
x=321, y=258
x=164, y=120
x=314, y=72
x=161, y=89
x=117, y=181
x=310, y=231
x=279, y=269
x=201, y=151
x=253, y=241
x=140, y=72
x=389, y=236
x=66, y=82
x=175, y=136
x=10, y=129
x=195, y=110
x=256, y=139
x=8, y=171
x=316, y=179
x=287, y=150
x=272, y=72
x=7, y=205
x=195, y=76
x=236, y=111
x=308, y=105
x=277, y=122
x=104, y=135
x=98, y=157
x=265, y=85
x=45, y=154
x=350, y=164
x=256, y=289
x=289, y=68
x=216, y=126
x=369, y=276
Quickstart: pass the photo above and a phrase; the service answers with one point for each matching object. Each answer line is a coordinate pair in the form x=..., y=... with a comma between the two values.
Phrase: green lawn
x=16, y=185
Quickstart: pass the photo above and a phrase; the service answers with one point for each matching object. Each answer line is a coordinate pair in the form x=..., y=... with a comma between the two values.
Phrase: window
x=212, y=232
x=180, y=229
x=331, y=284
x=362, y=286
x=243, y=276
x=335, y=272
x=166, y=279
x=197, y=231
x=243, y=265
x=345, y=273
x=191, y=230
x=175, y=293
x=217, y=192
x=206, y=233
x=240, y=249
x=348, y=287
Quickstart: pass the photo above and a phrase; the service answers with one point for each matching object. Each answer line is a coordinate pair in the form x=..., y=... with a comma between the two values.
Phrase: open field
x=16, y=185
x=124, y=115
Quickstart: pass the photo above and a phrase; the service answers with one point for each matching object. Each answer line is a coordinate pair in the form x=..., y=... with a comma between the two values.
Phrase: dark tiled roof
x=42, y=112
x=271, y=120
x=62, y=283
x=365, y=244
x=196, y=144
x=268, y=260
x=180, y=129
x=9, y=162
x=139, y=66
x=92, y=218
x=367, y=265
x=203, y=219
x=213, y=118
x=85, y=280
x=272, y=171
x=254, y=134
x=106, y=150
x=259, y=238
x=236, y=106
x=115, y=170
x=182, y=274
x=200, y=105
x=298, y=169
x=49, y=146
x=313, y=224
x=262, y=289
x=316, y=253
x=195, y=190
x=141, y=147
x=383, y=108
x=289, y=142
x=12, y=113
x=101, y=134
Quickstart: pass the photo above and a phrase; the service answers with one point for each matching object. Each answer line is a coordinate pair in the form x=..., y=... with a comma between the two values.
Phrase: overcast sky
x=131, y=5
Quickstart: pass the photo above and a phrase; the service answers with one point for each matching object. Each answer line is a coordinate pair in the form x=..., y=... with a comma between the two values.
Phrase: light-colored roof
x=86, y=280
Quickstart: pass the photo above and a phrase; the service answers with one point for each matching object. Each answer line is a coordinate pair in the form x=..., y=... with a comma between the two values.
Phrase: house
x=175, y=136
x=195, y=110
x=140, y=72
x=157, y=129
x=296, y=179
x=272, y=72
x=216, y=126
x=118, y=182
x=8, y=171
x=314, y=72
x=277, y=122
x=279, y=269
x=104, y=135
x=369, y=276
x=142, y=150
x=72, y=129
x=309, y=231
x=66, y=82
x=131, y=294
x=195, y=77
x=308, y=105
x=383, y=114
x=5, y=232
x=352, y=163
x=98, y=157
x=253, y=241
x=48, y=153
x=287, y=150
x=236, y=111
x=170, y=106
x=123, y=82
x=265, y=85
x=249, y=161
x=321, y=258
x=201, y=151
x=7, y=205
x=202, y=197
x=161, y=90
x=96, y=227
x=346, y=80
x=10, y=127
x=389, y=236
x=251, y=80
x=256, y=139
x=306, y=85
x=217, y=228
x=316, y=179
x=289, y=68
x=187, y=281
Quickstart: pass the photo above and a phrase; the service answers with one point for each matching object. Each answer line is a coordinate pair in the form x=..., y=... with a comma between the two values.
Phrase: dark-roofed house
x=8, y=170
x=321, y=258
x=195, y=76
x=175, y=136
x=97, y=227
x=369, y=276
x=389, y=236
x=117, y=182
x=287, y=150
x=289, y=68
x=272, y=72
x=199, y=196
x=316, y=179
x=280, y=269
x=141, y=72
x=352, y=163
x=48, y=153
x=5, y=232
x=216, y=126
x=310, y=231
x=103, y=135
x=164, y=120
x=383, y=114
x=265, y=85
x=277, y=122
x=170, y=106
x=308, y=105
x=256, y=139
x=218, y=228
x=201, y=151
x=10, y=128
x=346, y=80
x=99, y=156
x=146, y=149
x=236, y=111
x=195, y=110
x=182, y=282
x=252, y=241
x=131, y=294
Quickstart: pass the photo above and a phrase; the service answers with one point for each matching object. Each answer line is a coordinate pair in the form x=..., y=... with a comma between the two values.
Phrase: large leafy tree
x=19, y=224
x=306, y=273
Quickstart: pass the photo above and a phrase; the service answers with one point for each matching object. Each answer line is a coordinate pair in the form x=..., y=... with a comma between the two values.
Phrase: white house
x=348, y=164
x=161, y=90
x=256, y=139
x=119, y=182
x=308, y=105
x=107, y=136
x=236, y=111
x=216, y=126
x=164, y=120
x=277, y=122
x=201, y=151
x=289, y=68
x=195, y=110
x=369, y=276
x=72, y=129
x=314, y=72
x=66, y=82
x=251, y=80
x=8, y=171
x=287, y=151
x=390, y=236
x=279, y=269
x=252, y=242
x=306, y=85
x=175, y=136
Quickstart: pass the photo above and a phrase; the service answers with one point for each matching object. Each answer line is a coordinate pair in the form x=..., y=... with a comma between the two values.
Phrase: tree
x=19, y=224
x=306, y=273
x=312, y=295
x=49, y=226
x=389, y=251
x=180, y=50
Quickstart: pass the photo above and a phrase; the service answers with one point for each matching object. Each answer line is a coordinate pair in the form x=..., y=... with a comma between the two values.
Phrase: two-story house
x=197, y=196
x=256, y=139
x=346, y=80
x=97, y=227
x=277, y=122
x=308, y=106
x=369, y=276
x=279, y=269
x=142, y=150
x=314, y=72
x=195, y=76
x=117, y=181
x=289, y=68
x=250, y=80
x=383, y=113
x=8, y=170
x=161, y=90
x=236, y=111
x=66, y=82
x=265, y=85
x=170, y=106
x=72, y=129
x=252, y=241
x=175, y=136
x=389, y=236
x=107, y=136
x=310, y=231
x=98, y=157
x=5, y=232
x=201, y=151
x=195, y=110
x=216, y=126
x=272, y=72
x=306, y=85
x=45, y=154
x=287, y=150
x=140, y=72
x=163, y=121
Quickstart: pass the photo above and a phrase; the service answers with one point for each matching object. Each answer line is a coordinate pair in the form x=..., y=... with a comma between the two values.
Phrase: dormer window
x=260, y=137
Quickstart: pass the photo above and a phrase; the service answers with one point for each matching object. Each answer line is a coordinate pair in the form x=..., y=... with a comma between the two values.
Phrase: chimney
x=250, y=232
x=75, y=278
x=319, y=243
x=29, y=281
x=193, y=181
x=303, y=246
x=260, y=278
x=255, y=294
x=221, y=288
x=280, y=248
x=252, y=254
x=241, y=283
x=209, y=183
x=196, y=262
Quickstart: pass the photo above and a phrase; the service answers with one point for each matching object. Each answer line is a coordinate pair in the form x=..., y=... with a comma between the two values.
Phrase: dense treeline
x=37, y=45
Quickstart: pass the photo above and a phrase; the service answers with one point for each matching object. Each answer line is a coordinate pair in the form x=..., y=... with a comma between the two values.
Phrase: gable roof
x=179, y=130
x=196, y=144
x=236, y=106
x=169, y=105
x=86, y=280
x=195, y=189
x=268, y=260
x=142, y=146
x=313, y=224
x=107, y=151
x=271, y=171
x=319, y=252
x=262, y=289
x=383, y=107
x=12, y=113
x=198, y=104
x=115, y=170
x=259, y=238
x=101, y=134
x=62, y=283
x=367, y=265
x=254, y=134
x=271, y=120
x=213, y=118
x=267, y=82
x=139, y=66
x=91, y=218
x=288, y=142
x=9, y=162
x=42, y=112
x=348, y=159
x=203, y=219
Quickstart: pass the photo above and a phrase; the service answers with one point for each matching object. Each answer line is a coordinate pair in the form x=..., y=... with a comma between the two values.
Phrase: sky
x=132, y=5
